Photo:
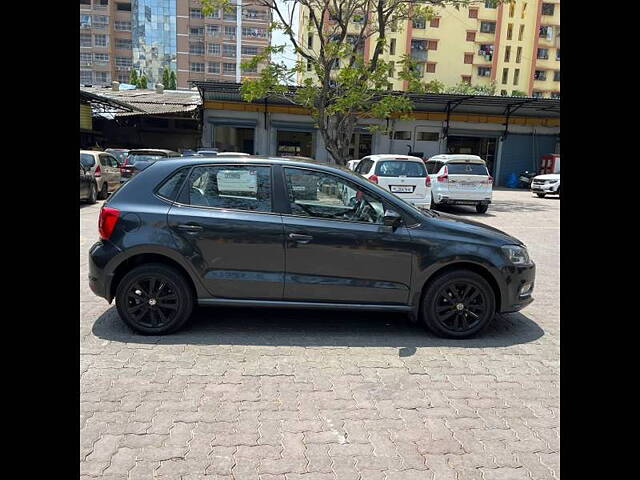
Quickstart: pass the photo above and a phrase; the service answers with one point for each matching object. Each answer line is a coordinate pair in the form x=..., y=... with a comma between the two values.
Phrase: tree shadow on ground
x=306, y=328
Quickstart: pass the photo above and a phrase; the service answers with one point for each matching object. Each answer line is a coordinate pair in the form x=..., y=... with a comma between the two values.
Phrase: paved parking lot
x=288, y=394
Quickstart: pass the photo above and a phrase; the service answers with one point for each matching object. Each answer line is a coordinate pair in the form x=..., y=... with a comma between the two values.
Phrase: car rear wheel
x=93, y=193
x=104, y=191
x=482, y=208
x=458, y=304
x=154, y=299
x=541, y=195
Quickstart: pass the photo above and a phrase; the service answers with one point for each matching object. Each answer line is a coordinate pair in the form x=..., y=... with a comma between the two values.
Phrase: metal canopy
x=100, y=104
x=428, y=102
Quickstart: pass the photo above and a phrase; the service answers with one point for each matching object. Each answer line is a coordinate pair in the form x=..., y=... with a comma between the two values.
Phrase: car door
x=338, y=251
x=224, y=222
x=84, y=183
x=115, y=172
x=108, y=170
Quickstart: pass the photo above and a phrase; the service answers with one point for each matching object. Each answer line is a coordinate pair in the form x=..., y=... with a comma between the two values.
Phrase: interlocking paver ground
x=284, y=394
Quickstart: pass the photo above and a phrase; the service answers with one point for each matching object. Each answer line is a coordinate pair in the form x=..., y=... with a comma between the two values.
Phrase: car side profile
x=105, y=170
x=139, y=159
x=276, y=232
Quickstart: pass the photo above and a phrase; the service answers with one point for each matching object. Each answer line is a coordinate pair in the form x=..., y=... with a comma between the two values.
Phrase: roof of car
x=153, y=150
x=448, y=158
x=391, y=156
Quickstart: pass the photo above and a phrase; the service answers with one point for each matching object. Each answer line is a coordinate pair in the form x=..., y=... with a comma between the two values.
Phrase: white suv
x=460, y=180
x=402, y=175
x=548, y=184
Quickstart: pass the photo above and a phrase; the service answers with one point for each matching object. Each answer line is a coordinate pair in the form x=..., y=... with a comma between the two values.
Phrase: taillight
x=123, y=166
x=427, y=181
x=490, y=180
x=97, y=173
x=107, y=221
x=445, y=176
x=373, y=179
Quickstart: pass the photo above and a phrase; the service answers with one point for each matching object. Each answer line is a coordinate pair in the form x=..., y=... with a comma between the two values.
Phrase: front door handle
x=189, y=227
x=297, y=237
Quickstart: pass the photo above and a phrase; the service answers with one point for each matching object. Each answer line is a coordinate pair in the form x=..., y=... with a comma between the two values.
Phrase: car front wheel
x=458, y=304
x=93, y=194
x=541, y=195
x=154, y=299
x=482, y=208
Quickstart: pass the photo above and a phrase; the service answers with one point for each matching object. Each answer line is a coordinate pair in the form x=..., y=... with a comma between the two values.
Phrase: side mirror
x=391, y=219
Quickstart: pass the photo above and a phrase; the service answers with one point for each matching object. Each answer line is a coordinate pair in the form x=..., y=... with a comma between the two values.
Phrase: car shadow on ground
x=306, y=328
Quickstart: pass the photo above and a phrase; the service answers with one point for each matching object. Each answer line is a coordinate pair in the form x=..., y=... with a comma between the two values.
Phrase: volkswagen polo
x=250, y=232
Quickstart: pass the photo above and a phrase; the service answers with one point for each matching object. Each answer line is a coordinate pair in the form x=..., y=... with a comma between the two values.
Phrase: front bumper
x=100, y=254
x=457, y=201
x=520, y=282
x=545, y=188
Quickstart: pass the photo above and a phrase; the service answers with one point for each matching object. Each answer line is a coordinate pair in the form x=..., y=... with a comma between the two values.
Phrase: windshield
x=467, y=169
x=143, y=157
x=398, y=169
x=87, y=160
x=120, y=156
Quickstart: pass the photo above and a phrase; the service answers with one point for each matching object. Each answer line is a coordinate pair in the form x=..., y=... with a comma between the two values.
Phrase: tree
x=465, y=88
x=343, y=86
x=133, y=77
x=142, y=83
x=518, y=93
x=165, y=77
x=172, y=81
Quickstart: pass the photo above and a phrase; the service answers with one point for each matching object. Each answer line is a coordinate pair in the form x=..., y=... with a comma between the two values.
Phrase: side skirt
x=229, y=302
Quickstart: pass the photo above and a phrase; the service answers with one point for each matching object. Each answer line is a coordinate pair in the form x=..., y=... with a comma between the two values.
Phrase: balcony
x=419, y=50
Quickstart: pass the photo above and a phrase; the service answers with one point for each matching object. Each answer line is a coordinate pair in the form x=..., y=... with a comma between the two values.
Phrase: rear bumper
x=100, y=254
x=519, y=290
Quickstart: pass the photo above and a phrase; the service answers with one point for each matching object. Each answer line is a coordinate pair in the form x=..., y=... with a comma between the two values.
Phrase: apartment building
x=149, y=35
x=516, y=45
x=105, y=41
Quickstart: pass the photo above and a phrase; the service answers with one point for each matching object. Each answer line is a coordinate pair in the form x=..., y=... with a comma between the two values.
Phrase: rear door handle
x=297, y=237
x=189, y=227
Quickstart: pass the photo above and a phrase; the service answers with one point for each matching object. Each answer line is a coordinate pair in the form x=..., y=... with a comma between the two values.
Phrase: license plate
x=465, y=186
x=401, y=188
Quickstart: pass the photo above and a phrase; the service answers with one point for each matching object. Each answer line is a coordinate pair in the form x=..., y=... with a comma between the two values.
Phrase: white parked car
x=402, y=175
x=105, y=170
x=460, y=180
x=352, y=164
x=548, y=184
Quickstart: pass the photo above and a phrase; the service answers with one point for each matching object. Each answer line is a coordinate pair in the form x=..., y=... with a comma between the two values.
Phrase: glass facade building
x=153, y=35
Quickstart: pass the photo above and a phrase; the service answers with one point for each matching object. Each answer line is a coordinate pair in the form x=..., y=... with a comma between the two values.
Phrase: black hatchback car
x=246, y=231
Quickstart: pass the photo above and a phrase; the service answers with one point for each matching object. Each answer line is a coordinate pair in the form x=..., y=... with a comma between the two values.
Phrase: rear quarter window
x=398, y=168
x=467, y=169
x=170, y=187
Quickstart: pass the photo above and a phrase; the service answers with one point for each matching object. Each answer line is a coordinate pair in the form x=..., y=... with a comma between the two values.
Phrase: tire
x=433, y=203
x=482, y=208
x=436, y=312
x=558, y=192
x=104, y=192
x=93, y=194
x=541, y=195
x=133, y=300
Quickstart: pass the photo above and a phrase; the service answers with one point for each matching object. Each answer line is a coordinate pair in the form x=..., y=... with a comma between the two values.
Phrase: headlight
x=516, y=254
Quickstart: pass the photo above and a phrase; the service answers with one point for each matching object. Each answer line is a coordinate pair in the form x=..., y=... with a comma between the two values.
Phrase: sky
x=279, y=38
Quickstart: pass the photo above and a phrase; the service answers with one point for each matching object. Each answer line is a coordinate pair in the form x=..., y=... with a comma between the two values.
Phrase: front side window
x=238, y=187
x=322, y=195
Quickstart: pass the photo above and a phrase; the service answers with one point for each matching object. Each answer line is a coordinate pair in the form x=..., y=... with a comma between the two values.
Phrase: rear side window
x=170, y=187
x=467, y=169
x=397, y=168
x=431, y=167
x=87, y=160
x=364, y=166
x=238, y=187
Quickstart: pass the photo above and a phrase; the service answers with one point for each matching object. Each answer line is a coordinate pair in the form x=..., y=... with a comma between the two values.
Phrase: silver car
x=105, y=170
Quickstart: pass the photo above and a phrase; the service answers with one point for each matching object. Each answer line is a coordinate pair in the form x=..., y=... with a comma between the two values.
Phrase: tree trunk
x=337, y=131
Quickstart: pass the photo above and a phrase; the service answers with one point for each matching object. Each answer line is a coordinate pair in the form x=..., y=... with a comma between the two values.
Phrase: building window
x=543, y=54
x=102, y=77
x=308, y=65
x=518, y=54
x=556, y=76
x=434, y=22
x=253, y=69
x=548, y=8
x=558, y=54
x=195, y=13
x=122, y=26
x=432, y=45
x=228, y=51
x=512, y=9
x=85, y=2
x=85, y=58
x=100, y=21
x=254, y=32
x=85, y=39
x=196, y=31
x=230, y=32
x=213, y=48
x=473, y=13
x=471, y=36
x=101, y=58
x=427, y=136
x=123, y=43
x=214, y=14
x=123, y=62
x=555, y=94
x=85, y=21
x=402, y=135
x=254, y=14
x=468, y=58
x=466, y=79
x=540, y=75
x=507, y=53
x=536, y=94
x=509, y=31
x=196, y=67
x=196, y=48
x=546, y=32
x=100, y=40
x=431, y=67
x=486, y=51
x=419, y=22
x=310, y=40
x=123, y=77
x=101, y=3
x=249, y=50
x=484, y=71
x=521, y=33
x=213, y=67
x=228, y=68
x=524, y=10
x=503, y=93
x=230, y=15
x=86, y=76
x=392, y=69
x=392, y=47
x=516, y=76
x=490, y=3
x=212, y=30
x=505, y=75
x=123, y=7
x=488, y=27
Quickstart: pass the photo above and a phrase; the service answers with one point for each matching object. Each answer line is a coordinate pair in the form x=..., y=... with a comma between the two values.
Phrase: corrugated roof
x=148, y=102
x=428, y=102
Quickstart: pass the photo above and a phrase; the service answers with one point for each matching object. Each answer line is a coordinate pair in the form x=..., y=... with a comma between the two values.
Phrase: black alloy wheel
x=458, y=304
x=104, y=191
x=93, y=194
x=154, y=299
